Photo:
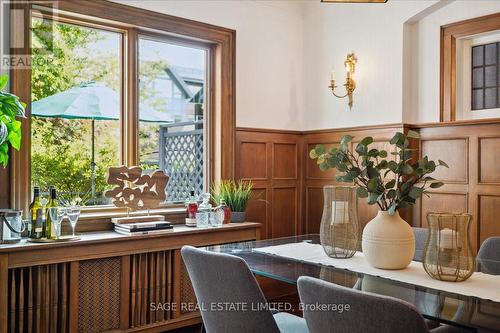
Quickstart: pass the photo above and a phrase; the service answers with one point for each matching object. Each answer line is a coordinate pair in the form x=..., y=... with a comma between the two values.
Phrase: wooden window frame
x=448, y=68
x=134, y=21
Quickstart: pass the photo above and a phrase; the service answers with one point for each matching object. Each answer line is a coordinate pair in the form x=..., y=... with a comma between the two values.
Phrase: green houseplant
x=10, y=127
x=236, y=195
x=389, y=180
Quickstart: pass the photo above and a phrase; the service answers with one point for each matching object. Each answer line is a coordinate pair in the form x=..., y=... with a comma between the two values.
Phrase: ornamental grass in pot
x=236, y=195
x=391, y=181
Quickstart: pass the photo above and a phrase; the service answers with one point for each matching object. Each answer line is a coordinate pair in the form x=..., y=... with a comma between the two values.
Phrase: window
x=168, y=86
x=172, y=81
x=75, y=93
x=485, y=79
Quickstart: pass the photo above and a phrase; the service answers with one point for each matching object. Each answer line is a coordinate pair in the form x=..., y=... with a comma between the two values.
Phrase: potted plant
x=236, y=195
x=10, y=127
x=391, y=184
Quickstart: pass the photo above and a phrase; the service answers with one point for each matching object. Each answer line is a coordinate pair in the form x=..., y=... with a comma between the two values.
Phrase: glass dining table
x=467, y=312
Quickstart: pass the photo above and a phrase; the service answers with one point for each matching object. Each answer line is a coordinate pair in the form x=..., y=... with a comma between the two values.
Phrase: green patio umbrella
x=93, y=101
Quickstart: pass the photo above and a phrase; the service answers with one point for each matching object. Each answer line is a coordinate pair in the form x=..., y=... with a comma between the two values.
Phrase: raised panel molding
x=489, y=168
x=314, y=209
x=252, y=160
x=284, y=212
x=285, y=161
x=440, y=202
x=454, y=152
x=257, y=209
x=488, y=216
x=312, y=169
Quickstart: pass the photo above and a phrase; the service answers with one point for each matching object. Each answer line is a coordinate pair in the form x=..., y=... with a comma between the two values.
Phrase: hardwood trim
x=4, y=287
x=130, y=102
x=267, y=130
x=20, y=171
x=73, y=287
x=354, y=128
x=449, y=34
x=124, y=292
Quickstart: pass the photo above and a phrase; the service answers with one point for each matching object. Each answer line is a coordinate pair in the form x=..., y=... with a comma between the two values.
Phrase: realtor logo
x=15, y=30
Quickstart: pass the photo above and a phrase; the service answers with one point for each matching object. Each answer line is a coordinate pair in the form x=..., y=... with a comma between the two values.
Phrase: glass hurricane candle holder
x=339, y=231
x=448, y=253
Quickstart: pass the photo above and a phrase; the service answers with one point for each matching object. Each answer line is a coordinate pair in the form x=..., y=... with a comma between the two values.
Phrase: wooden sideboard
x=105, y=281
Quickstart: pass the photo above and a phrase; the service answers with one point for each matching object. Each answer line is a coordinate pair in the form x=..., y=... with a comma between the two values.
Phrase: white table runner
x=480, y=285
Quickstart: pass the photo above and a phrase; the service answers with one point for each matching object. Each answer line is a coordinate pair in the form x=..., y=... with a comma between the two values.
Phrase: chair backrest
x=228, y=295
x=421, y=235
x=488, y=256
x=329, y=307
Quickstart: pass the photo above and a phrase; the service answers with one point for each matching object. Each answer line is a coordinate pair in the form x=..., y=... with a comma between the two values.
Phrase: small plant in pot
x=236, y=195
x=390, y=181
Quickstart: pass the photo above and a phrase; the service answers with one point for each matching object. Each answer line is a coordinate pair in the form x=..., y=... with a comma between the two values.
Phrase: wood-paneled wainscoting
x=272, y=160
x=294, y=204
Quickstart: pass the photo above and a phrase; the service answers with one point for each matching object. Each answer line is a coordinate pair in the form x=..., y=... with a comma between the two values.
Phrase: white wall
x=375, y=33
x=268, y=54
x=425, y=37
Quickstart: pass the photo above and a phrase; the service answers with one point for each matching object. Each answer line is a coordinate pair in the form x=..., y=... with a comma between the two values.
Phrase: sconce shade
x=448, y=253
x=339, y=231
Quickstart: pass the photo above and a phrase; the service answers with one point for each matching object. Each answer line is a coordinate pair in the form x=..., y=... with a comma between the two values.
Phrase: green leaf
x=415, y=192
x=413, y=134
x=392, y=209
x=390, y=184
x=366, y=141
x=372, y=185
x=443, y=163
x=382, y=165
x=406, y=169
x=361, y=149
x=436, y=185
x=320, y=149
x=346, y=139
x=372, y=172
x=397, y=139
x=361, y=192
x=391, y=194
x=393, y=166
x=382, y=153
x=3, y=81
x=372, y=198
x=313, y=154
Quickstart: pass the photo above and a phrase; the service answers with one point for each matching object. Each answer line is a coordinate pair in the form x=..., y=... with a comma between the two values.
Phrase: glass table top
x=445, y=307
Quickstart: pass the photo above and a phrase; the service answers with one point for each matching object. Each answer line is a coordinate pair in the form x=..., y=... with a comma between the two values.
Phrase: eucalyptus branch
x=370, y=175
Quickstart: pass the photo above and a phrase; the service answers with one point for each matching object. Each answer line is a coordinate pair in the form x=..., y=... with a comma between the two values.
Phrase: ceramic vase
x=388, y=241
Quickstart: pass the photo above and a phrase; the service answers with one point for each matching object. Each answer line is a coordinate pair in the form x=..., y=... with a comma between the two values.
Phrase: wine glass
x=73, y=213
x=56, y=216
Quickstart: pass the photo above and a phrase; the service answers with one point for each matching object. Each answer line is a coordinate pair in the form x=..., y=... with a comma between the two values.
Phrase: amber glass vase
x=448, y=254
x=339, y=232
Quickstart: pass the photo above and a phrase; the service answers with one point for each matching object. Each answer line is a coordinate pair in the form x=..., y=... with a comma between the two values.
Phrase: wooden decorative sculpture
x=136, y=190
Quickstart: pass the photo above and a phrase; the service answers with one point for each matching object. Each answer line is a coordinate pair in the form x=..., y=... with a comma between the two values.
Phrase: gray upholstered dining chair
x=367, y=313
x=229, y=297
x=489, y=250
x=421, y=235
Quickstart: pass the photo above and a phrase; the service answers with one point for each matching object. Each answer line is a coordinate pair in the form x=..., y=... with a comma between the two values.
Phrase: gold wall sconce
x=350, y=85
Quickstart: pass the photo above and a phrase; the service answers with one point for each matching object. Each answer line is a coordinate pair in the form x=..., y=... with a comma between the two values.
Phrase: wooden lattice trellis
x=181, y=156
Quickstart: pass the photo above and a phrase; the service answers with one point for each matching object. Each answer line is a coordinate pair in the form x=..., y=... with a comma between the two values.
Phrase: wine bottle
x=191, y=210
x=49, y=226
x=227, y=211
x=36, y=214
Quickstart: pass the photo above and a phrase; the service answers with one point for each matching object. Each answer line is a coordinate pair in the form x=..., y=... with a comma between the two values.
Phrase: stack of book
x=141, y=226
